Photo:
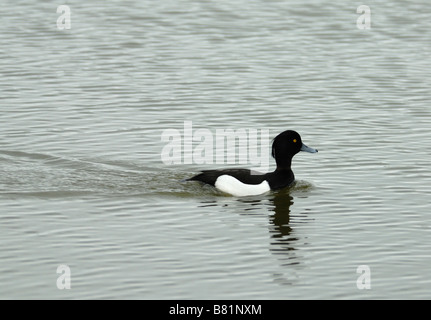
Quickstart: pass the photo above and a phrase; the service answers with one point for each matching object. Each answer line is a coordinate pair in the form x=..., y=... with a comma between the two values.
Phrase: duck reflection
x=278, y=204
x=280, y=229
x=284, y=240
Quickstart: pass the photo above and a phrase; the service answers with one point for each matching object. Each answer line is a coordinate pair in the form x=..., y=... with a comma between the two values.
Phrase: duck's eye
x=294, y=140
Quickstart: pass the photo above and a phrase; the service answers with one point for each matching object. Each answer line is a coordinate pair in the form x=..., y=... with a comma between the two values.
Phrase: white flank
x=236, y=188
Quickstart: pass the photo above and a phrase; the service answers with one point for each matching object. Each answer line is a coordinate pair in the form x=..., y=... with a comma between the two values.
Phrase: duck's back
x=245, y=176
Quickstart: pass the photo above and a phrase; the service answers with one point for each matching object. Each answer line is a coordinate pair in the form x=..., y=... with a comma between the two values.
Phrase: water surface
x=82, y=182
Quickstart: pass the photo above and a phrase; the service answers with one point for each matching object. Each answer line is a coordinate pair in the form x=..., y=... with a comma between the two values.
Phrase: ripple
x=82, y=182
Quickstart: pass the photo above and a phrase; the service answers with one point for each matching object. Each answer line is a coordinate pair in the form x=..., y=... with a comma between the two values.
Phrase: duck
x=246, y=182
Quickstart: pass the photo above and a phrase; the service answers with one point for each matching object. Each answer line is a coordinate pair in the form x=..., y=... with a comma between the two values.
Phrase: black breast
x=280, y=178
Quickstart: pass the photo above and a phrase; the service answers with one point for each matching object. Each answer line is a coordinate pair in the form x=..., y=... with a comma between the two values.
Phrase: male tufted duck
x=244, y=182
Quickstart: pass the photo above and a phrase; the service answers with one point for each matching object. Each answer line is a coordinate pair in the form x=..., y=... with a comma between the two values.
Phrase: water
x=82, y=182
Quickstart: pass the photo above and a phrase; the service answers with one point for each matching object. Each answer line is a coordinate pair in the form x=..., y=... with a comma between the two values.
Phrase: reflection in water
x=282, y=236
x=284, y=239
x=280, y=228
x=282, y=242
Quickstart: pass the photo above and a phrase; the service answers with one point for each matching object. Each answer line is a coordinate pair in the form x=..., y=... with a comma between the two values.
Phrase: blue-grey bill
x=308, y=149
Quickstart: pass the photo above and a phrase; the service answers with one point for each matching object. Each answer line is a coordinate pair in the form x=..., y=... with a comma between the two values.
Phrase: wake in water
x=41, y=175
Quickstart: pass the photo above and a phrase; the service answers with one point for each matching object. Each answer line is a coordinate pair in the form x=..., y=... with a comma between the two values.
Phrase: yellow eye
x=294, y=140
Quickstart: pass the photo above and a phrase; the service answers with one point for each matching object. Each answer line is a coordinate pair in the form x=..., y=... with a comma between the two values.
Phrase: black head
x=285, y=146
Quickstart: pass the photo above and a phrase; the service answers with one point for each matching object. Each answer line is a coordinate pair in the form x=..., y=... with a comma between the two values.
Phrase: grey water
x=83, y=183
